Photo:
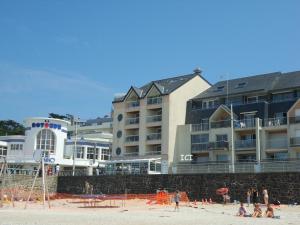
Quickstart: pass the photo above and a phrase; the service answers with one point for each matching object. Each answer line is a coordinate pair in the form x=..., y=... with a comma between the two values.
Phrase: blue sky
x=73, y=56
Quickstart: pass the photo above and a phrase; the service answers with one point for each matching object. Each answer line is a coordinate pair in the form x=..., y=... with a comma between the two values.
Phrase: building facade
x=255, y=119
x=145, y=123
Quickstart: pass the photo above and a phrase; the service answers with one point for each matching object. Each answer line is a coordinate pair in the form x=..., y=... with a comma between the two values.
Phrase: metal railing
x=200, y=127
x=219, y=145
x=153, y=153
x=133, y=104
x=247, y=167
x=130, y=121
x=136, y=153
x=295, y=141
x=246, y=123
x=132, y=138
x=154, y=100
x=154, y=118
x=154, y=136
x=277, y=143
x=196, y=147
x=274, y=122
x=220, y=124
x=242, y=144
x=295, y=119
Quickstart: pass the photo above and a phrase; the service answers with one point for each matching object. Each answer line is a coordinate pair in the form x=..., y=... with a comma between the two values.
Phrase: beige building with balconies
x=145, y=123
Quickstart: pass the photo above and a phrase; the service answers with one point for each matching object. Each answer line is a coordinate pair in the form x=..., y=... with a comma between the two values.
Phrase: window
x=200, y=138
x=92, y=153
x=220, y=88
x=45, y=140
x=252, y=99
x=80, y=152
x=240, y=85
x=16, y=147
x=283, y=97
x=221, y=137
x=105, y=154
x=208, y=104
x=3, y=150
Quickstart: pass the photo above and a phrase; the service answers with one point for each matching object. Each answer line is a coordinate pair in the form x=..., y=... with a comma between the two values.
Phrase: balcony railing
x=135, y=153
x=152, y=119
x=295, y=141
x=241, y=144
x=277, y=144
x=132, y=138
x=220, y=124
x=200, y=127
x=200, y=147
x=154, y=101
x=218, y=145
x=130, y=121
x=246, y=123
x=293, y=120
x=154, y=136
x=274, y=122
x=133, y=104
x=153, y=153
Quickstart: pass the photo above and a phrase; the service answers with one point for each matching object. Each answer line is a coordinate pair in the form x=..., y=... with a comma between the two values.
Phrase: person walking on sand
x=248, y=197
x=176, y=199
x=266, y=196
x=254, y=196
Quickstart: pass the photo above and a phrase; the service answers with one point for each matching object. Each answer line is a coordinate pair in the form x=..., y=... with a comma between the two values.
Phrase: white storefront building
x=51, y=136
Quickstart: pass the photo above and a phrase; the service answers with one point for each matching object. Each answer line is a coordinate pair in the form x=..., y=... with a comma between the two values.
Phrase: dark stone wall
x=284, y=187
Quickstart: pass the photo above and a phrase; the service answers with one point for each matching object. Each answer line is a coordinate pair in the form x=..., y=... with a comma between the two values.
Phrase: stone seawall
x=284, y=187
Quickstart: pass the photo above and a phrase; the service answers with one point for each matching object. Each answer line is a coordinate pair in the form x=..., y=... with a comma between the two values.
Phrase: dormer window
x=240, y=85
x=220, y=88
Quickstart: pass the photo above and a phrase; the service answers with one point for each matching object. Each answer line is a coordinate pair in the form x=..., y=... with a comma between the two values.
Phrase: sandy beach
x=135, y=212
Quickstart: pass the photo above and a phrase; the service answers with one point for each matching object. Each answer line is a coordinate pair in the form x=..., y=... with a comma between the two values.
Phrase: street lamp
x=75, y=146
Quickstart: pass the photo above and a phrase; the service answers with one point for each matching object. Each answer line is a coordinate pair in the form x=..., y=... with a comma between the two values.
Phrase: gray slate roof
x=165, y=86
x=259, y=83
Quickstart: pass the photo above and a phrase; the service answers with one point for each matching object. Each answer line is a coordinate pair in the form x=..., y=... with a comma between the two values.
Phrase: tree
x=57, y=116
x=11, y=127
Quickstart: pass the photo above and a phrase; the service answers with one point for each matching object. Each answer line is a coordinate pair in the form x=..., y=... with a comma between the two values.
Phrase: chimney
x=197, y=71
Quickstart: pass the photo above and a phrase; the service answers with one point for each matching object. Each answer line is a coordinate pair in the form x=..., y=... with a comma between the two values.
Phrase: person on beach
x=176, y=199
x=242, y=211
x=269, y=211
x=266, y=196
x=248, y=197
x=254, y=196
x=257, y=211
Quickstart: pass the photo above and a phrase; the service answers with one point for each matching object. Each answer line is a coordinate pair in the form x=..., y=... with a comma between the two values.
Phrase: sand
x=135, y=212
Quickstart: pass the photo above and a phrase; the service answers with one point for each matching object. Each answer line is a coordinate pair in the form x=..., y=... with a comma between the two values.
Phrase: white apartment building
x=145, y=123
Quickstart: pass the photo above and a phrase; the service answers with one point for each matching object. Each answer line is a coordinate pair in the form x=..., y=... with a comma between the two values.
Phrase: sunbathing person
x=242, y=211
x=269, y=211
x=257, y=211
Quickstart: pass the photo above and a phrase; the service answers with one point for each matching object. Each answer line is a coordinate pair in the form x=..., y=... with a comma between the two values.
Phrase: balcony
x=218, y=145
x=132, y=138
x=131, y=154
x=220, y=124
x=199, y=147
x=149, y=153
x=132, y=105
x=154, y=118
x=200, y=127
x=275, y=122
x=154, y=136
x=154, y=100
x=294, y=120
x=131, y=121
x=295, y=141
x=277, y=144
x=244, y=124
x=245, y=144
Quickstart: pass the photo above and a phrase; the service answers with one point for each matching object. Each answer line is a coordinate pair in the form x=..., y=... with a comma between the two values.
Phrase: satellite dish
x=37, y=155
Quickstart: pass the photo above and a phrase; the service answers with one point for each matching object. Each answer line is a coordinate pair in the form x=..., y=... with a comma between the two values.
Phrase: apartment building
x=145, y=123
x=249, y=119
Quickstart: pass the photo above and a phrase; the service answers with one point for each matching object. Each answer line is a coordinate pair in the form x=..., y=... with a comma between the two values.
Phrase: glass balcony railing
x=133, y=104
x=200, y=127
x=241, y=144
x=132, y=138
x=274, y=122
x=295, y=141
x=220, y=124
x=130, y=121
x=154, y=100
x=154, y=118
x=246, y=123
x=277, y=144
x=218, y=145
x=294, y=120
x=200, y=147
x=154, y=136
